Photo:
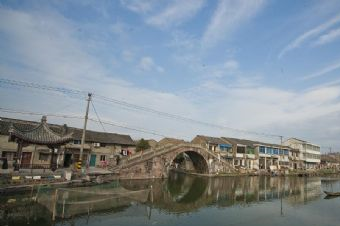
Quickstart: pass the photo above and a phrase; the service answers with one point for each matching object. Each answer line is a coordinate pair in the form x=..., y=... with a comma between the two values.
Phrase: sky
x=264, y=66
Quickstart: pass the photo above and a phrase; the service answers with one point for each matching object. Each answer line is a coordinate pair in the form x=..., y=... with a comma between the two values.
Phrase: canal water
x=180, y=200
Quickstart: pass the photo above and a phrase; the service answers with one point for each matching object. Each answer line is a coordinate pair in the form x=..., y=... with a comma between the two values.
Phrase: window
x=43, y=156
x=9, y=155
x=77, y=141
x=269, y=151
x=281, y=152
x=275, y=151
x=241, y=150
x=286, y=152
x=212, y=147
x=262, y=149
x=225, y=147
x=103, y=158
x=96, y=144
x=250, y=150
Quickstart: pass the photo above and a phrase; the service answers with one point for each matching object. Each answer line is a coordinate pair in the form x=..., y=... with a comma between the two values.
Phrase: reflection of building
x=99, y=147
x=180, y=194
x=308, y=152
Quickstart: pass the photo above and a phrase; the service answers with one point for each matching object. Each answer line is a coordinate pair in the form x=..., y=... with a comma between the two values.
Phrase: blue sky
x=266, y=66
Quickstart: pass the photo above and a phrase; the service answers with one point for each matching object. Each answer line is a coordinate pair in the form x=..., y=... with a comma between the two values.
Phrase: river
x=180, y=200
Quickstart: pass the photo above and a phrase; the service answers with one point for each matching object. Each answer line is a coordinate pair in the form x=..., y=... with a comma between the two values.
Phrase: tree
x=142, y=145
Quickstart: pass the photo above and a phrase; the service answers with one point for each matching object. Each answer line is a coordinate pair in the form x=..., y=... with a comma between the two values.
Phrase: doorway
x=67, y=160
x=93, y=160
x=26, y=159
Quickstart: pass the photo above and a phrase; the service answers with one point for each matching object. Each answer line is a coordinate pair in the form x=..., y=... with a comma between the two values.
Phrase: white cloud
x=128, y=55
x=231, y=65
x=138, y=6
x=329, y=37
x=176, y=13
x=43, y=48
x=228, y=16
x=147, y=64
x=309, y=34
x=323, y=71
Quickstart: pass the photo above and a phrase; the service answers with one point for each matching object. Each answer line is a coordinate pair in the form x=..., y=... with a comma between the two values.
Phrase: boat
x=328, y=193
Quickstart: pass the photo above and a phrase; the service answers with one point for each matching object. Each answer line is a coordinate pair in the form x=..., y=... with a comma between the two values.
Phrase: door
x=93, y=160
x=68, y=160
x=26, y=159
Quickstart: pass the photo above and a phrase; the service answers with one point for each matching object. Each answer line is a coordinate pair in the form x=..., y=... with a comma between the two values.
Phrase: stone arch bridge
x=156, y=163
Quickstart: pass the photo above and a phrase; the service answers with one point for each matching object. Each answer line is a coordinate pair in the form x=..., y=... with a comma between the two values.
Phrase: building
x=99, y=146
x=169, y=141
x=330, y=161
x=217, y=145
x=259, y=155
x=248, y=154
x=309, y=153
x=244, y=153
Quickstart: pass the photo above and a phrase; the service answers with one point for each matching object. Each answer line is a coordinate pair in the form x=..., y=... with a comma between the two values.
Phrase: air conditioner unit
x=96, y=144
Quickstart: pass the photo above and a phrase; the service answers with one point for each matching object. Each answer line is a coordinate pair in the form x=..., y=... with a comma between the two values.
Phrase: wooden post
x=151, y=194
x=52, y=158
x=55, y=205
x=63, y=213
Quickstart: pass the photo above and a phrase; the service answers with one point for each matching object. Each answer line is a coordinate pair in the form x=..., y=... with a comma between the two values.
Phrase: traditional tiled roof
x=251, y=143
x=101, y=137
x=212, y=140
x=168, y=140
x=41, y=134
x=236, y=141
x=91, y=136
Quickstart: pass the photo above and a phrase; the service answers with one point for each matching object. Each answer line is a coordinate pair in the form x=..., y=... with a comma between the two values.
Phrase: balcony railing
x=38, y=166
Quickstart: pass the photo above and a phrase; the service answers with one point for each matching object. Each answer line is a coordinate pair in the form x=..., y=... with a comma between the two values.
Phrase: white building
x=309, y=153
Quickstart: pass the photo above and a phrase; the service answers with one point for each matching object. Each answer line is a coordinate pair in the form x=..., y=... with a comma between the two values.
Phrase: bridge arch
x=157, y=163
x=198, y=158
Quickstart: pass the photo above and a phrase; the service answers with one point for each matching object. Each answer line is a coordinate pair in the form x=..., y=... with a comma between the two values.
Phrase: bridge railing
x=148, y=154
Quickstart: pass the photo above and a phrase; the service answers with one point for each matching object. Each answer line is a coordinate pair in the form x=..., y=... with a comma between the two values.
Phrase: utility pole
x=84, y=131
x=281, y=151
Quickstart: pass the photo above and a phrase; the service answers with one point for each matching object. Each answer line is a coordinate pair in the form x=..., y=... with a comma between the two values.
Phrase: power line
x=180, y=118
x=81, y=117
x=131, y=106
x=95, y=111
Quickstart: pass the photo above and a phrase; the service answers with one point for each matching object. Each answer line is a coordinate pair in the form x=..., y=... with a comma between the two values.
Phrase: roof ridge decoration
x=40, y=134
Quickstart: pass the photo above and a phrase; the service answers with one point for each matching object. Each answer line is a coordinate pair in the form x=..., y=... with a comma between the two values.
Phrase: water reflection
x=179, y=195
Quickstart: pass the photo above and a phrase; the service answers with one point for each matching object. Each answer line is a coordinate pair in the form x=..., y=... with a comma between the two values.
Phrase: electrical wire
x=6, y=110
x=130, y=106
x=95, y=111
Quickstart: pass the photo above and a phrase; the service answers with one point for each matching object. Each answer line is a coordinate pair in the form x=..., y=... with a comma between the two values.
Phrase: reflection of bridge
x=156, y=163
x=180, y=193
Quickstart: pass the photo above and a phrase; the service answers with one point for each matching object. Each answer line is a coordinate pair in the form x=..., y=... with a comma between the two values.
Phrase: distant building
x=259, y=155
x=309, y=153
x=167, y=141
x=152, y=143
x=216, y=145
x=99, y=146
x=248, y=154
x=330, y=161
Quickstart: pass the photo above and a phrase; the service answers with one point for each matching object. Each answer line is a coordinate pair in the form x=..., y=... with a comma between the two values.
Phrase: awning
x=225, y=145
